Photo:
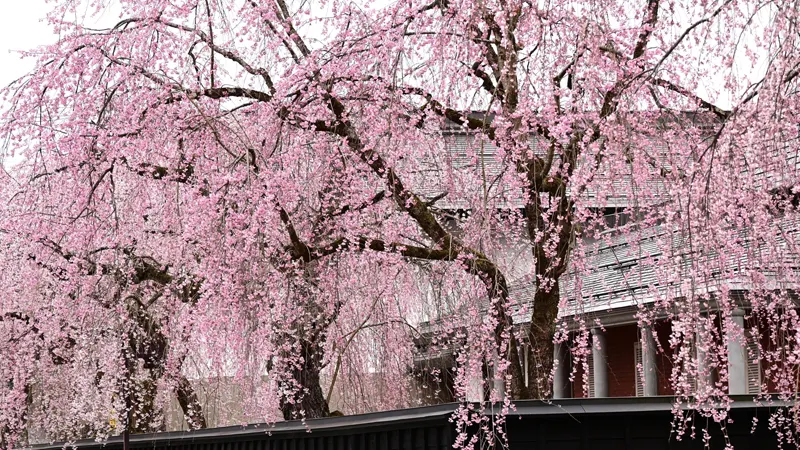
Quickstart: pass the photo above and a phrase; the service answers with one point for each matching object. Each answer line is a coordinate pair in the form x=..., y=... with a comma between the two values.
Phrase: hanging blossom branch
x=252, y=214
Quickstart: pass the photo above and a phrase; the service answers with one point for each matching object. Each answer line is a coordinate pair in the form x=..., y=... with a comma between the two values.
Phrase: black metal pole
x=125, y=432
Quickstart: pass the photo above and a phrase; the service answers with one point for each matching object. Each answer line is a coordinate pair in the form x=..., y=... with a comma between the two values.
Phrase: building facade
x=622, y=285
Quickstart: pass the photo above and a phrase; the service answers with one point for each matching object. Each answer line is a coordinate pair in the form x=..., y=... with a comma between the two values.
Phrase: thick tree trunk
x=540, y=336
x=311, y=402
x=550, y=265
x=140, y=408
x=151, y=345
x=144, y=417
x=190, y=405
x=6, y=432
x=518, y=389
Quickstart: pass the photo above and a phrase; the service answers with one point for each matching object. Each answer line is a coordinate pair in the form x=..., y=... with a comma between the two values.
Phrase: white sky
x=21, y=28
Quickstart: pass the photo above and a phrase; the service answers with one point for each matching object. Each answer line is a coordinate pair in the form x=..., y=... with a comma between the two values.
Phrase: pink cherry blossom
x=304, y=196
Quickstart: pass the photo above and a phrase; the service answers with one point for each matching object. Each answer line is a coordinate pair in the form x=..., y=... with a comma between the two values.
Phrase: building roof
x=473, y=159
x=624, y=271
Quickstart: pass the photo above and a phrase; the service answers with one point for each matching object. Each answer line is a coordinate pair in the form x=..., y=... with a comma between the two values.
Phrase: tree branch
x=451, y=114
x=651, y=17
x=229, y=54
x=686, y=33
x=347, y=208
x=722, y=114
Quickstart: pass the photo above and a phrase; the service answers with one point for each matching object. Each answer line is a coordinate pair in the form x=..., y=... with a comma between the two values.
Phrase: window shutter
x=753, y=367
x=590, y=364
x=692, y=377
x=638, y=363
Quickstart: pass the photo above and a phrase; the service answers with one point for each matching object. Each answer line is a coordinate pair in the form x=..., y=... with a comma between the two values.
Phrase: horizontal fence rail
x=571, y=424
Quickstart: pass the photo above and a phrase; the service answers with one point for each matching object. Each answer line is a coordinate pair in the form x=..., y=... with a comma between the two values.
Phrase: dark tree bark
x=540, y=336
x=190, y=405
x=310, y=403
x=149, y=343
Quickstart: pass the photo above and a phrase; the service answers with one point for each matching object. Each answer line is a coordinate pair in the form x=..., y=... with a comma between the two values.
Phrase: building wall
x=621, y=365
x=577, y=383
x=429, y=389
x=772, y=341
x=622, y=371
x=664, y=357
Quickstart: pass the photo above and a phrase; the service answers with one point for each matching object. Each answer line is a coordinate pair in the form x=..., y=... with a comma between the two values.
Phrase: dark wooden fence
x=585, y=424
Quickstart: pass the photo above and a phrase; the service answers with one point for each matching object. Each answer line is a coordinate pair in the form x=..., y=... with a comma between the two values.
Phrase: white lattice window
x=691, y=376
x=638, y=362
x=590, y=367
x=753, y=366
